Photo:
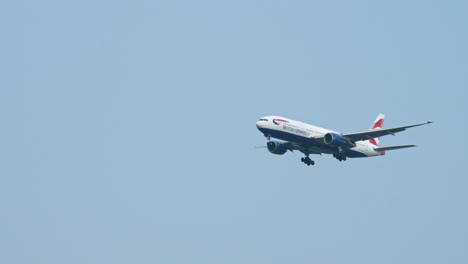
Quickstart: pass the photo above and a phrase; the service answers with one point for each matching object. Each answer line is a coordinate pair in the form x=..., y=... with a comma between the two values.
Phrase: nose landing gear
x=308, y=161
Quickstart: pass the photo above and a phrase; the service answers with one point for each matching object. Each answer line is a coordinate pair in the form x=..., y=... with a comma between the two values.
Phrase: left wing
x=353, y=137
x=291, y=146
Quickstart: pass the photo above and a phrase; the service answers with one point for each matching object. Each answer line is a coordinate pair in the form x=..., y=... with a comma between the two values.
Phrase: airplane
x=310, y=139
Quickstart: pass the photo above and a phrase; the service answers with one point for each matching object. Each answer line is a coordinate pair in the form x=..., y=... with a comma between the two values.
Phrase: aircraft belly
x=305, y=142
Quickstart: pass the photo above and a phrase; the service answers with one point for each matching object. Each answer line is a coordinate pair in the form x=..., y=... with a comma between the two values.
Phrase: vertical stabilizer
x=378, y=124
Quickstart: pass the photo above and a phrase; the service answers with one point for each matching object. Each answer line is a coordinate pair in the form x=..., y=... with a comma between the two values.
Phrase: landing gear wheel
x=308, y=161
x=339, y=157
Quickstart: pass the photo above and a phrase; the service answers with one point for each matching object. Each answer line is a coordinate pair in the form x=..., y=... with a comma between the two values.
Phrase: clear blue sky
x=128, y=130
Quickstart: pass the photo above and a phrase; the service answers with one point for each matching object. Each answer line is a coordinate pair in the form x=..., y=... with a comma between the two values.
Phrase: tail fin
x=378, y=124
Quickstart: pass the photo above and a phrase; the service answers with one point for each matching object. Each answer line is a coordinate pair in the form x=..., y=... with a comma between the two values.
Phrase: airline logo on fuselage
x=278, y=121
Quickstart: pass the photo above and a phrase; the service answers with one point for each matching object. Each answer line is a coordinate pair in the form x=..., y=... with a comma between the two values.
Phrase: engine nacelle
x=333, y=139
x=276, y=147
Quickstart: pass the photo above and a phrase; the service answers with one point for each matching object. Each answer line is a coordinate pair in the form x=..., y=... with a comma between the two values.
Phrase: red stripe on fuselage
x=280, y=120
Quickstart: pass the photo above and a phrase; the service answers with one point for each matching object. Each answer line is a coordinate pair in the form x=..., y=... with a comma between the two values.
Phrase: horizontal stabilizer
x=394, y=147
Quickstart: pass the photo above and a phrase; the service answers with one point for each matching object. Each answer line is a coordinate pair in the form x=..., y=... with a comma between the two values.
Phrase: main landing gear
x=308, y=161
x=339, y=157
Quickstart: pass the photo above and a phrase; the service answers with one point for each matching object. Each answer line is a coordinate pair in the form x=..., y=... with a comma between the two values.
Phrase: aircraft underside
x=308, y=147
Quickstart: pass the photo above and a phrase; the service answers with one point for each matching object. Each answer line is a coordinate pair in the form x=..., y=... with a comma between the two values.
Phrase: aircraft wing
x=353, y=137
x=291, y=146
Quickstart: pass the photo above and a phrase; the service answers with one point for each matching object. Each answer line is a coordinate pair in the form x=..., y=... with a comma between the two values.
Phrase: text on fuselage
x=296, y=130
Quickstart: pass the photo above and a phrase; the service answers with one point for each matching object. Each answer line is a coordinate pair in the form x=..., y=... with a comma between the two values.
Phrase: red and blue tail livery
x=309, y=139
x=378, y=124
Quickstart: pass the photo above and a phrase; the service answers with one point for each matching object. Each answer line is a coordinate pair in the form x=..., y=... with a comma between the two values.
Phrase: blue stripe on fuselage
x=354, y=154
x=307, y=142
x=288, y=137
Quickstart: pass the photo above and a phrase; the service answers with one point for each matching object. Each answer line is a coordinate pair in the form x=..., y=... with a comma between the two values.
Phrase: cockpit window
x=263, y=119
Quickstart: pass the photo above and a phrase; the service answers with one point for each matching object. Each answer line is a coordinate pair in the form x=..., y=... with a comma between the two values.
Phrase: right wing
x=353, y=137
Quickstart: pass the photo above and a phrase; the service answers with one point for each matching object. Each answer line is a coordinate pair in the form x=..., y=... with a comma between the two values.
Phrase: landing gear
x=308, y=161
x=339, y=157
x=267, y=136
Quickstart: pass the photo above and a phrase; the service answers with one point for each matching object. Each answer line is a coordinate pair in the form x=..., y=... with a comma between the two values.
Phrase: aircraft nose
x=260, y=124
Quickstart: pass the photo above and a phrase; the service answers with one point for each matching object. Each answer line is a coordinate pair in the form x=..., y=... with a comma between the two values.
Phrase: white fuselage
x=303, y=134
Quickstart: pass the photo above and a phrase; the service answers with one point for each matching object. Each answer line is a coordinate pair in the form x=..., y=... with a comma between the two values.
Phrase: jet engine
x=276, y=147
x=333, y=139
